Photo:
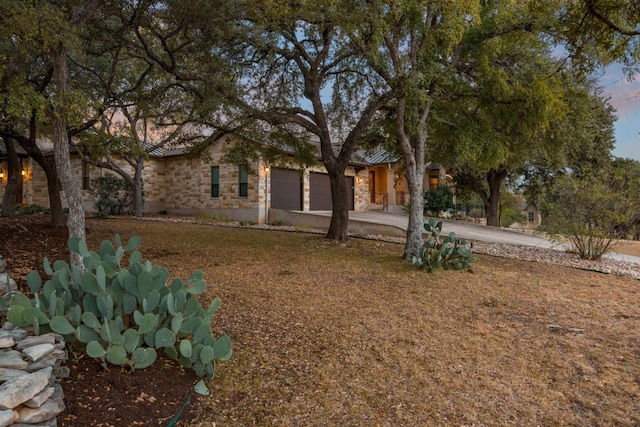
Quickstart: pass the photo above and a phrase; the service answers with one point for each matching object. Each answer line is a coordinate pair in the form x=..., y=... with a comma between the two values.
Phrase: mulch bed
x=94, y=396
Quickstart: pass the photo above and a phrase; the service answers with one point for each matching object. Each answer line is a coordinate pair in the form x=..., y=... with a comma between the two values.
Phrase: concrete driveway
x=396, y=225
x=464, y=230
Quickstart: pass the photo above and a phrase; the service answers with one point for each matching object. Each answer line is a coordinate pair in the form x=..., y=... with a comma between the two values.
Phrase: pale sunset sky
x=625, y=98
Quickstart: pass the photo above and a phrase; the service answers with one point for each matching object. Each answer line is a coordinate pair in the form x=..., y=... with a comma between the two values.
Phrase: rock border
x=30, y=370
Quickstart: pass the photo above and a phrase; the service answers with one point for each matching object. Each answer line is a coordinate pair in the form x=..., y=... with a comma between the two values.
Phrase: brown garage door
x=286, y=189
x=320, y=192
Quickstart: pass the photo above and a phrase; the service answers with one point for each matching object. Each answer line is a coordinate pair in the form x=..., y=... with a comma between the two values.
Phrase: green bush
x=448, y=253
x=123, y=315
x=438, y=200
x=114, y=195
x=31, y=209
x=587, y=211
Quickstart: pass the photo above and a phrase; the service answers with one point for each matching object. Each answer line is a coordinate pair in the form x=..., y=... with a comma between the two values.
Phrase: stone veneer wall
x=155, y=184
x=182, y=185
x=39, y=185
x=188, y=181
x=35, y=183
x=30, y=369
x=361, y=189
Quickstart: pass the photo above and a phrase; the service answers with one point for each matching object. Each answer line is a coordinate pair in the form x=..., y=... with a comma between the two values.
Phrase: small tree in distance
x=510, y=209
x=586, y=211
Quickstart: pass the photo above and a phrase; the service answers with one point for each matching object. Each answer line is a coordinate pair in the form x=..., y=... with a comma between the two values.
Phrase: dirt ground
x=331, y=335
x=95, y=397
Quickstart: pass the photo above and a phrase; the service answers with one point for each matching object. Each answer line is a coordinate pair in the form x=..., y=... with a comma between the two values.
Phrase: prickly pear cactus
x=449, y=252
x=123, y=314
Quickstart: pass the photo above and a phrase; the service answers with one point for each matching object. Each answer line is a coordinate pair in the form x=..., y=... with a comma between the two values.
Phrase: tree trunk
x=413, y=149
x=492, y=200
x=48, y=165
x=76, y=220
x=340, y=200
x=54, y=188
x=14, y=176
x=137, y=189
x=415, y=227
x=490, y=197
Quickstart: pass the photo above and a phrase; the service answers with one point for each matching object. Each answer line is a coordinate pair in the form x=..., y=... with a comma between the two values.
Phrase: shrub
x=123, y=315
x=511, y=209
x=31, y=209
x=510, y=216
x=114, y=195
x=448, y=253
x=476, y=213
x=438, y=200
x=587, y=211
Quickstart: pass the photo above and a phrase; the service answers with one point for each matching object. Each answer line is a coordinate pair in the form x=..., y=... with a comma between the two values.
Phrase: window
x=531, y=216
x=86, y=176
x=434, y=182
x=215, y=181
x=244, y=182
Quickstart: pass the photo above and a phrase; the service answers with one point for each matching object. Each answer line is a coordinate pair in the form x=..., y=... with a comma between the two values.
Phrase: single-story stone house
x=178, y=183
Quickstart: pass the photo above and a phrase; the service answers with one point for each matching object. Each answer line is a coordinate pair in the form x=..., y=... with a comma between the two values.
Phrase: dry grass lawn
x=330, y=335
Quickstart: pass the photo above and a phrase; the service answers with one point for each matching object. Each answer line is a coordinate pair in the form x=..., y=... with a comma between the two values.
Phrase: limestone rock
x=8, y=417
x=10, y=374
x=37, y=352
x=47, y=411
x=12, y=359
x=7, y=326
x=61, y=372
x=23, y=388
x=53, y=359
x=53, y=422
x=7, y=284
x=18, y=334
x=36, y=340
x=39, y=399
x=6, y=342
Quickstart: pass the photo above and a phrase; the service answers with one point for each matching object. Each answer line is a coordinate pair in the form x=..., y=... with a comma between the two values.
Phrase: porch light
x=24, y=172
x=1, y=175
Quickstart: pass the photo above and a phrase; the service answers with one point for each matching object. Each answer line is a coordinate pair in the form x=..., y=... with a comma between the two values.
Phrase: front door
x=372, y=186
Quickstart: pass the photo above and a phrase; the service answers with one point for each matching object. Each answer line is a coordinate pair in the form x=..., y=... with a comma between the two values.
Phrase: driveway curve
x=481, y=233
x=464, y=230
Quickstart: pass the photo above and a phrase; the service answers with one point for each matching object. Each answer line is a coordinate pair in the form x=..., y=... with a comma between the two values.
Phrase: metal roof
x=19, y=150
x=378, y=156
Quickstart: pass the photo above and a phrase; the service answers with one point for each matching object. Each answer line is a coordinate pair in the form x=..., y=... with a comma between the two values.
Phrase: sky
x=625, y=98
